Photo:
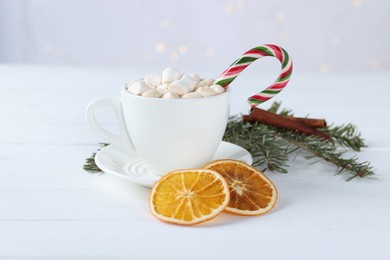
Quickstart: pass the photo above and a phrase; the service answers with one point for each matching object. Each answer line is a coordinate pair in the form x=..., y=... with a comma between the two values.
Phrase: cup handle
x=122, y=139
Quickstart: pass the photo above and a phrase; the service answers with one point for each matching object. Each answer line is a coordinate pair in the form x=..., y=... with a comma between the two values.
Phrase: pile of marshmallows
x=174, y=84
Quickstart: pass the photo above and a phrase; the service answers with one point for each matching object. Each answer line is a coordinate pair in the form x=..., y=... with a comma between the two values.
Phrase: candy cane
x=250, y=56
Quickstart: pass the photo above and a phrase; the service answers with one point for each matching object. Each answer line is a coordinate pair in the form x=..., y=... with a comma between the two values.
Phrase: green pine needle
x=346, y=135
x=90, y=165
x=267, y=150
x=328, y=151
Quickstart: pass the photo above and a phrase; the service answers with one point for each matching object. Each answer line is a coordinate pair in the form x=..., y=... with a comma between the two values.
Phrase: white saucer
x=114, y=160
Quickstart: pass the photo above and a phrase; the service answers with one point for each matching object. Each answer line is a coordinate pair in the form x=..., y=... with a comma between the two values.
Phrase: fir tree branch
x=327, y=151
x=90, y=165
x=346, y=135
x=267, y=150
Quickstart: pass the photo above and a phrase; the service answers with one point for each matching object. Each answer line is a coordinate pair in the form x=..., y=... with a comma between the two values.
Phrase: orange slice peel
x=251, y=192
x=188, y=197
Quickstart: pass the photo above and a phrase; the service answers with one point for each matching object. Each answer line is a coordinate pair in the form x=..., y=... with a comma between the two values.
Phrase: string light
x=183, y=49
x=146, y=56
x=54, y=50
x=39, y=2
x=48, y=48
x=240, y=3
x=375, y=65
x=336, y=41
x=208, y=53
x=58, y=51
x=165, y=24
x=174, y=56
x=357, y=3
x=159, y=47
x=280, y=16
x=324, y=68
x=228, y=7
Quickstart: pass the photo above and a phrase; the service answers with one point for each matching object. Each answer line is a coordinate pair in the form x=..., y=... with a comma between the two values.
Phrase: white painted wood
x=50, y=208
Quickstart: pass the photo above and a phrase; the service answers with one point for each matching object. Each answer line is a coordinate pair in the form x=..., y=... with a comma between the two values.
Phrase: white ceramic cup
x=167, y=134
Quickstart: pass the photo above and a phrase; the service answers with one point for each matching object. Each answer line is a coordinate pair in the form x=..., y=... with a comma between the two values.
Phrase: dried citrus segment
x=251, y=192
x=188, y=197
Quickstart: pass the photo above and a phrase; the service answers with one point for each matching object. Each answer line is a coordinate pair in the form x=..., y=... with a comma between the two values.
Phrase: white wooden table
x=51, y=209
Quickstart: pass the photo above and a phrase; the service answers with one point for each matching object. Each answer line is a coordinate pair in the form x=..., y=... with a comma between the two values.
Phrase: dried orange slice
x=251, y=192
x=188, y=197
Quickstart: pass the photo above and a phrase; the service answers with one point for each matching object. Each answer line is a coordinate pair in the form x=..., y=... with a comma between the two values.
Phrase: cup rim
x=125, y=92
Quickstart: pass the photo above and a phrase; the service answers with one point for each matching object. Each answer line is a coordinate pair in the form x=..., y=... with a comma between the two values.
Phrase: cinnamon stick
x=269, y=118
x=313, y=122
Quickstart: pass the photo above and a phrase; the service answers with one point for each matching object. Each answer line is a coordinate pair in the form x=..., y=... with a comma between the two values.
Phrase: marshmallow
x=162, y=91
x=137, y=87
x=162, y=88
x=190, y=81
x=200, y=84
x=152, y=80
x=206, y=91
x=209, y=81
x=195, y=76
x=192, y=95
x=218, y=88
x=170, y=95
x=170, y=74
x=152, y=93
x=179, y=87
x=174, y=84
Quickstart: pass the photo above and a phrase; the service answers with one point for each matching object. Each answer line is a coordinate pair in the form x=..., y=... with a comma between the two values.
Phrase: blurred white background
x=321, y=36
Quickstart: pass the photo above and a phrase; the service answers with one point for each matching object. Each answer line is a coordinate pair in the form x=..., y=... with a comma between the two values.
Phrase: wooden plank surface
x=51, y=209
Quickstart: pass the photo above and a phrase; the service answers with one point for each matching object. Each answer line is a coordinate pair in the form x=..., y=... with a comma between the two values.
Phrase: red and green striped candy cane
x=250, y=56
